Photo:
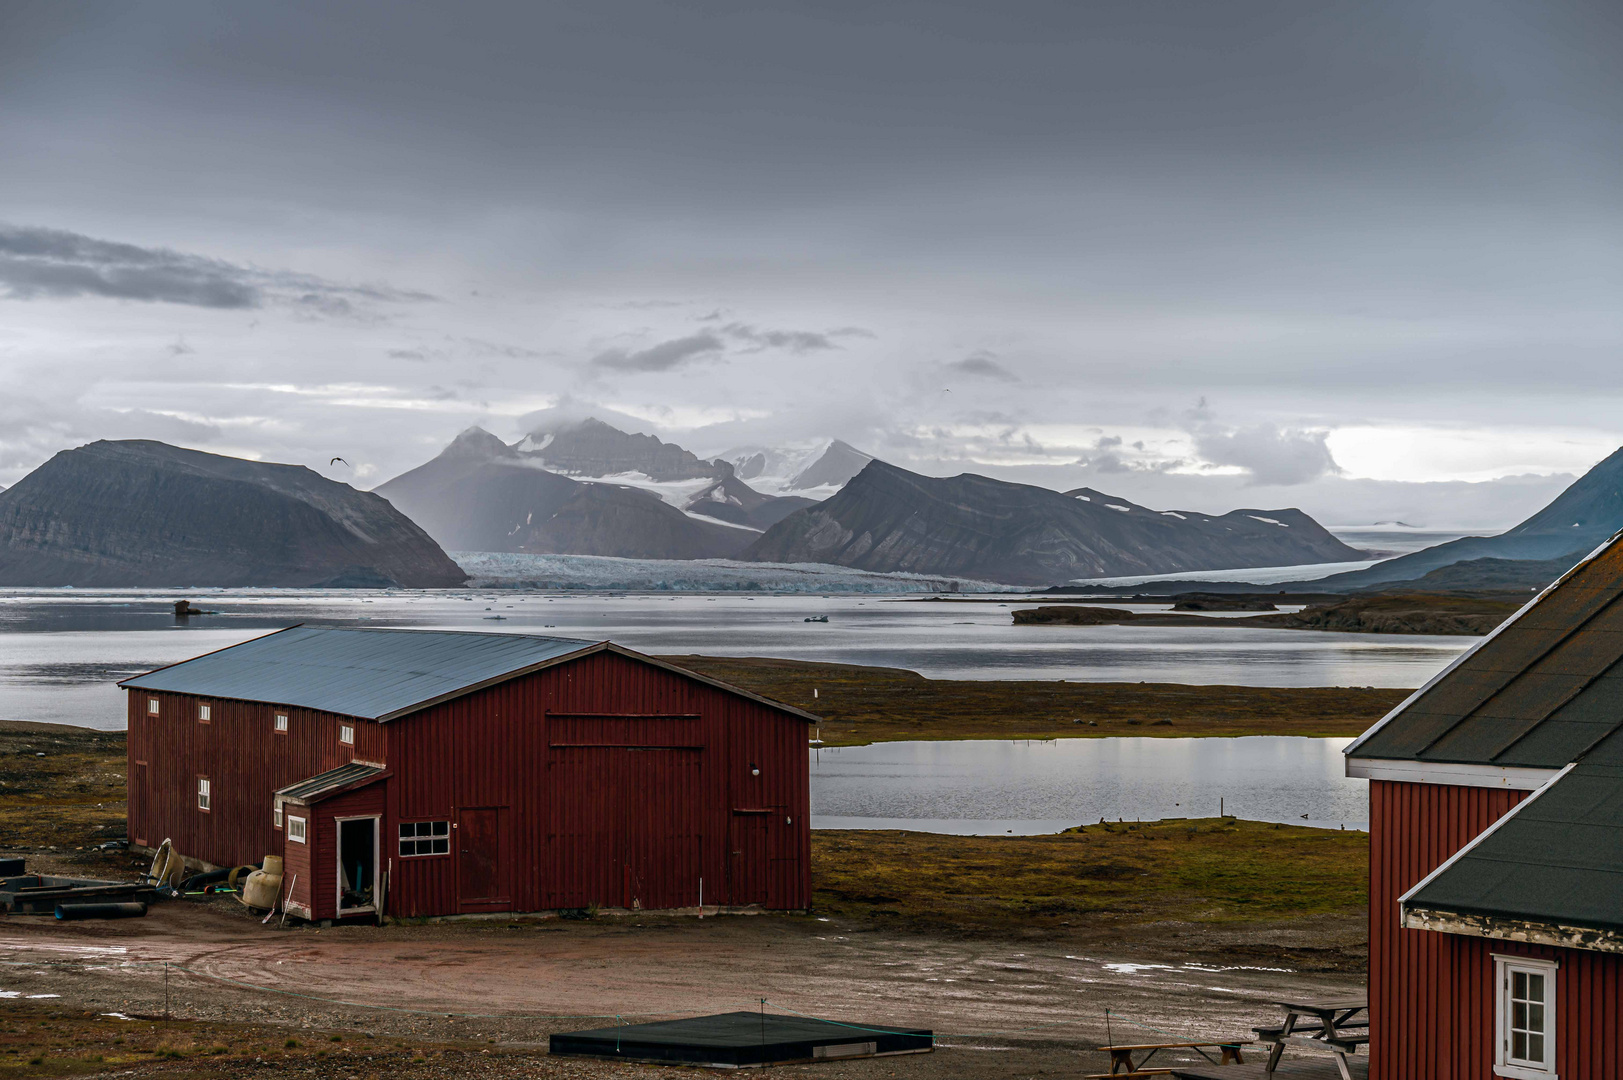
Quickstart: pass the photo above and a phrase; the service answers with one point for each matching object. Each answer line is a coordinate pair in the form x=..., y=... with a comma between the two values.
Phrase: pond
x=985, y=787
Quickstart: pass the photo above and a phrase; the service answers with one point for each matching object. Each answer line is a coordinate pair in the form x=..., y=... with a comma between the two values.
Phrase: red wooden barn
x=440, y=773
x=1496, y=850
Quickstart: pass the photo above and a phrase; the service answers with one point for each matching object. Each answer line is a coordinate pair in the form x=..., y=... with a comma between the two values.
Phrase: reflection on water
x=61, y=650
x=993, y=787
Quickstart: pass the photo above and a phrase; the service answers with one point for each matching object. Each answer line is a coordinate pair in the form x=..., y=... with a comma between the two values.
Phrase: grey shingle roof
x=370, y=674
x=1557, y=858
x=354, y=774
x=1537, y=693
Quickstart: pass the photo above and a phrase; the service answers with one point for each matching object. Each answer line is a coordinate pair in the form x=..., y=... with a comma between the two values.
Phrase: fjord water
x=62, y=650
x=990, y=787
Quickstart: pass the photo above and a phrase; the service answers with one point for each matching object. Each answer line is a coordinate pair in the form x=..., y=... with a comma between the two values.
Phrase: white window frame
x=280, y=723
x=1504, y=967
x=204, y=793
x=296, y=829
x=276, y=815
x=204, y=713
x=346, y=734
x=153, y=707
x=431, y=833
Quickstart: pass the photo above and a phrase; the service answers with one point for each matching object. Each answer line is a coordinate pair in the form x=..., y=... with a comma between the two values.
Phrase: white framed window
x=281, y=722
x=425, y=838
x=152, y=706
x=295, y=829
x=203, y=713
x=346, y=734
x=276, y=815
x=1524, y=1017
x=203, y=793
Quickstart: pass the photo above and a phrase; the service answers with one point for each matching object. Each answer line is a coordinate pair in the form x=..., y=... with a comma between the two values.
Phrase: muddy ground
x=482, y=996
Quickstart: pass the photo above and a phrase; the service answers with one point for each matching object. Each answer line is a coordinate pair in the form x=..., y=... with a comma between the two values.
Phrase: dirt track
x=999, y=1008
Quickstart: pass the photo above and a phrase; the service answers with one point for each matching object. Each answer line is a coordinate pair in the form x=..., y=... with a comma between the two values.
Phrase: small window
x=1525, y=1018
x=203, y=713
x=202, y=793
x=281, y=722
x=295, y=829
x=152, y=706
x=425, y=838
x=276, y=816
x=346, y=734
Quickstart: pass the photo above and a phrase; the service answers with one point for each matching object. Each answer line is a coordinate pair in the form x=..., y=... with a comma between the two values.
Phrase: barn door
x=481, y=859
x=662, y=814
x=747, y=860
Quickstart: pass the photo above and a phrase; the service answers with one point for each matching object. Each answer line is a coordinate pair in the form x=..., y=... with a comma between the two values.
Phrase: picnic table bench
x=1331, y=1025
x=1123, y=1067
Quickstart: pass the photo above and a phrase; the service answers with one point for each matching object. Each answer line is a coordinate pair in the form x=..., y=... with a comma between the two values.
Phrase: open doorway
x=357, y=865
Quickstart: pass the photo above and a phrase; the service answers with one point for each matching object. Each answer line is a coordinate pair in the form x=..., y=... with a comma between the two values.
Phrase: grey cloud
x=54, y=263
x=795, y=341
x=665, y=356
x=39, y=263
x=982, y=365
x=407, y=354
x=1271, y=455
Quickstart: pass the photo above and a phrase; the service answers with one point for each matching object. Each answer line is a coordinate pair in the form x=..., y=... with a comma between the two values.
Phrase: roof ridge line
x=1350, y=750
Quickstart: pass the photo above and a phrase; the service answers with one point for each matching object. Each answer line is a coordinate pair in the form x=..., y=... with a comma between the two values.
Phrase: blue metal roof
x=369, y=674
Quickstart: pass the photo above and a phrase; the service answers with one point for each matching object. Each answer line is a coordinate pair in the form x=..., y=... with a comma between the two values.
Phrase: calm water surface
x=986, y=787
x=62, y=650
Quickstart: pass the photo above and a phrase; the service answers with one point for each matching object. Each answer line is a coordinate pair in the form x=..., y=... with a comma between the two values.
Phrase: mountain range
x=584, y=487
x=889, y=519
x=139, y=513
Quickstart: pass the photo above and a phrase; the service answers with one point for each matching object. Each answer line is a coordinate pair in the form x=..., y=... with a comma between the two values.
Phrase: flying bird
x=336, y=460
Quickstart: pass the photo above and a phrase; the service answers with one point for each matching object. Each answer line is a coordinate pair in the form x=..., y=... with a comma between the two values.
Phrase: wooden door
x=747, y=864
x=481, y=859
x=663, y=814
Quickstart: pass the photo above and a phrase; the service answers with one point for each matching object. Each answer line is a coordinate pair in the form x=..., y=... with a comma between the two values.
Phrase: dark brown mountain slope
x=139, y=513
x=889, y=519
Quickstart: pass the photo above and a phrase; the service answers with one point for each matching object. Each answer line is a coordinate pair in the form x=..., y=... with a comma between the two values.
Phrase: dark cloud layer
x=38, y=263
x=55, y=263
x=982, y=365
x=665, y=356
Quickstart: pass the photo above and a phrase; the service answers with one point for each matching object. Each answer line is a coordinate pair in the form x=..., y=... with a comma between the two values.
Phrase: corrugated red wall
x=1432, y=994
x=245, y=760
x=602, y=781
x=622, y=784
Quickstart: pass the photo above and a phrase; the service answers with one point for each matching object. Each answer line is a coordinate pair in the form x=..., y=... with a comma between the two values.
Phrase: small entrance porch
x=332, y=844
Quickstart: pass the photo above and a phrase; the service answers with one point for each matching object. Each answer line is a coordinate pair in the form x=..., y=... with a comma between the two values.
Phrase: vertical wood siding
x=245, y=761
x=617, y=783
x=1432, y=995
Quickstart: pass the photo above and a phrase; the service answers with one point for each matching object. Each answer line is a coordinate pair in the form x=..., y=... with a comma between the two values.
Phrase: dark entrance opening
x=357, y=864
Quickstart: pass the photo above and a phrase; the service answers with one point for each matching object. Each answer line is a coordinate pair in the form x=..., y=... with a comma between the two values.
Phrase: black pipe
x=129, y=910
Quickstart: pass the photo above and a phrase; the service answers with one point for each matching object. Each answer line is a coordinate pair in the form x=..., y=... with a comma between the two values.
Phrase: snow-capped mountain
x=583, y=487
x=815, y=472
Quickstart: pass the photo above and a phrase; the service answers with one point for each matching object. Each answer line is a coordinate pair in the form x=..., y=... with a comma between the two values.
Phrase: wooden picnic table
x=1123, y=1066
x=1339, y=1031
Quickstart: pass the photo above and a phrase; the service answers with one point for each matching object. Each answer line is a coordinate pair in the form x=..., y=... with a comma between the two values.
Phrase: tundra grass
x=1207, y=870
x=860, y=705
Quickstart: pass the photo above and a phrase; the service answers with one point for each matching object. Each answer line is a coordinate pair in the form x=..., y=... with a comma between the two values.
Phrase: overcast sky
x=1365, y=258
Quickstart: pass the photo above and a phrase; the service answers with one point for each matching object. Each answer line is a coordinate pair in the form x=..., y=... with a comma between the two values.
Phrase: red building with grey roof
x=1496, y=850
x=432, y=773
